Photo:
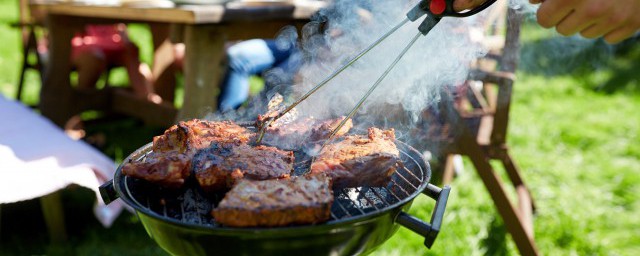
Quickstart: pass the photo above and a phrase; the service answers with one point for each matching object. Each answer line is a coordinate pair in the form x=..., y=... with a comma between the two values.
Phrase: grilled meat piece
x=169, y=164
x=269, y=203
x=190, y=136
x=295, y=135
x=168, y=169
x=221, y=165
x=359, y=160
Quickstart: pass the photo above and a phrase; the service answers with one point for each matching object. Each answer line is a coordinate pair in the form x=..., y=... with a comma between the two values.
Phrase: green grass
x=574, y=132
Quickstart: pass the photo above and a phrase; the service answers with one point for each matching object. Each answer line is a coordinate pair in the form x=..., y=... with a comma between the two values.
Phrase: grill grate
x=191, y=206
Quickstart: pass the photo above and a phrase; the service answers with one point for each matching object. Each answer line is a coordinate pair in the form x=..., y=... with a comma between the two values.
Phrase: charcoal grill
x=361, y=218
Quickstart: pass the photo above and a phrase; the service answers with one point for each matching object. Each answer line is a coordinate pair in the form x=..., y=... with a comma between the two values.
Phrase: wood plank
x=151, y=113
x=56, y=95
x=185, y=14
x=208, y=14
x=204, y=68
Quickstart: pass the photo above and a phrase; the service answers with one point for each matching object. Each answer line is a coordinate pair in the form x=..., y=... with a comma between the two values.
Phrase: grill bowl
x=361, y=218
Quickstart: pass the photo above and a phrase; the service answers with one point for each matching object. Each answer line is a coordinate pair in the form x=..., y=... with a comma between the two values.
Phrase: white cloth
x=38, y=158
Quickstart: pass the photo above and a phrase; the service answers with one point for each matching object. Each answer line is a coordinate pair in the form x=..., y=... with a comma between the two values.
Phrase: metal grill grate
x=191, y=206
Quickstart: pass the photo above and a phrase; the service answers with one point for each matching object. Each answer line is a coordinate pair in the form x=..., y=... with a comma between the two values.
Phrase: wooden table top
x=185, y=14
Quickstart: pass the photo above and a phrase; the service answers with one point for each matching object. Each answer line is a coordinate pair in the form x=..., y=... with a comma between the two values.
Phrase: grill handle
x=108, y=192
x=428, y=230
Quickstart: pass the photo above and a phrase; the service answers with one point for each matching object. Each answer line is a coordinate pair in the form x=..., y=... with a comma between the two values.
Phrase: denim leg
x=288, y=60
x=246, y=58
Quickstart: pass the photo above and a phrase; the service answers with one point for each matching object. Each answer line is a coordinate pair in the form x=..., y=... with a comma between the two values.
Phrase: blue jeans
x=253, y=57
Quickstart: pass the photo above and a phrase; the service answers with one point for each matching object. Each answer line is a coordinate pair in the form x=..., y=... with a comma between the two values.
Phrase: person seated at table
x=99, y=47
x=281, y=58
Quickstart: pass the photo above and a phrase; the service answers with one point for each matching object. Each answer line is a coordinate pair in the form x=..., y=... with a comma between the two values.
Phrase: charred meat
x=190, y=136
x=222, y=165
x=269, y=203
x=359, y=160
x=167, y=169
x=169, y=164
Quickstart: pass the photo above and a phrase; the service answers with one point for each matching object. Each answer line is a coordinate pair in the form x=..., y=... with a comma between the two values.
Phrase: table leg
x=56, y=95
x=163, y=69
x=54, y=217
x=204, y=68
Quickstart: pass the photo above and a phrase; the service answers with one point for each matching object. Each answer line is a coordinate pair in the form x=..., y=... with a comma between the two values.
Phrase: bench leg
x=54, y=217
x=448, y=173
x=526, y=204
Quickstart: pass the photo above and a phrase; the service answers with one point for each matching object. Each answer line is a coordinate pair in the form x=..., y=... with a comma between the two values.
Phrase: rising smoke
x=440, y=58
x=436, y=60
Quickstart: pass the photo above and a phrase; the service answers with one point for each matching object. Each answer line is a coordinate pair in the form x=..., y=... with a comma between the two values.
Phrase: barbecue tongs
x=433, y=9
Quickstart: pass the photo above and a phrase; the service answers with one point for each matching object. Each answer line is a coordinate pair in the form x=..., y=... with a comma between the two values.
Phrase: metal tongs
x=433, y=9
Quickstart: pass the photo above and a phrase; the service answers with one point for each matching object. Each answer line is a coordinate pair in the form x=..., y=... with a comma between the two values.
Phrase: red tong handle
x=438, y=7
x=444, y=8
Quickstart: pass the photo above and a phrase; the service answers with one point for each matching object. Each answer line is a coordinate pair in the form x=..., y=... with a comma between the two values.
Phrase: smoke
x=439, y=59
x=524, y=7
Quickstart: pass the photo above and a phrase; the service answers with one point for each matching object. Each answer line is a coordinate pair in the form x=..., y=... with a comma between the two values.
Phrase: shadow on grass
x=496, y=240
x=625, y=68
x=24, y=231
x=583, y=58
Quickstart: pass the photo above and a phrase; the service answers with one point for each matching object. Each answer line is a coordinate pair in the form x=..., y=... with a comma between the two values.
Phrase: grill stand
x=483, y=146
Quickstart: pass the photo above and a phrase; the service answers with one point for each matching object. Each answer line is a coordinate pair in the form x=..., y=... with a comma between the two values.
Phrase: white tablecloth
x=38, y=158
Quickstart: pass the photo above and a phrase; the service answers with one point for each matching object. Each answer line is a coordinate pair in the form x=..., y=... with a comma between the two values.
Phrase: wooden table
x=206, y=28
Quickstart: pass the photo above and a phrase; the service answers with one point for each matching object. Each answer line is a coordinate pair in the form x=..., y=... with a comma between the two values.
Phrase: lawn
x=574, y=132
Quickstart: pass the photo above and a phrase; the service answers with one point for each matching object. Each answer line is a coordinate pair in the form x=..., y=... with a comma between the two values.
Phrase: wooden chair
x=472, y=121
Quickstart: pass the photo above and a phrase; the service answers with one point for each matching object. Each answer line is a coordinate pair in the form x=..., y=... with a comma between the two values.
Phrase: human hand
x=615, y=20
x=461, y=5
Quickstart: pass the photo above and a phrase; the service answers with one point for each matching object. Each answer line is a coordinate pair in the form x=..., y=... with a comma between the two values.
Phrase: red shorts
x=103, y=39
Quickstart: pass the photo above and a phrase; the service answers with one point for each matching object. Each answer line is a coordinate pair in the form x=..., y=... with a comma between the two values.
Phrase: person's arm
x=615, y=20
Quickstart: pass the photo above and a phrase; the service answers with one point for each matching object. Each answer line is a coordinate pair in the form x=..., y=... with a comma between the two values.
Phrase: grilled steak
x=269, y=203
x=168, y=169
x=294, y=135
x=170, y=162
x=221, y=165
x=359, y=160
x=190, y=136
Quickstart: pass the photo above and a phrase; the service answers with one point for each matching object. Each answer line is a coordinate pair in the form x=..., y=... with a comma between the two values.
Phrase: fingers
x=535, y=1
x=620, y=34
x=552, y=12
x=573, y=23
x=613, y=20
x=599, y=29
